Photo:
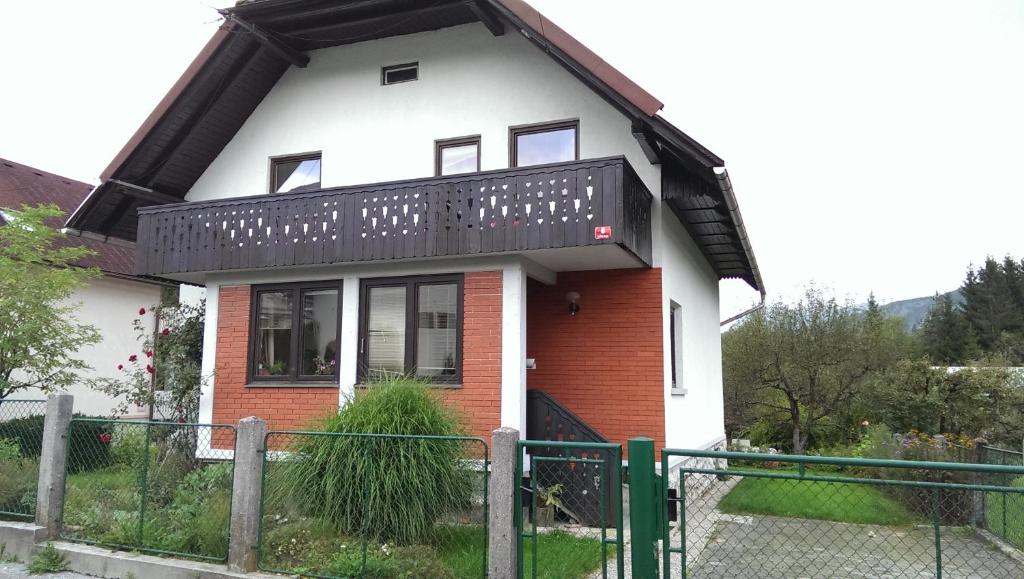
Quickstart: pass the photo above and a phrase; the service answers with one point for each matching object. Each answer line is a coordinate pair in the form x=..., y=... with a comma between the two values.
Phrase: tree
x=807, y=363
x=989, y=302
x=39, y=334
x=945, y=334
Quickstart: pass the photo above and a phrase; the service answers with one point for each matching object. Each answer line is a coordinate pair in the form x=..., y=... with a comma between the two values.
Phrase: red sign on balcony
x=603, y=232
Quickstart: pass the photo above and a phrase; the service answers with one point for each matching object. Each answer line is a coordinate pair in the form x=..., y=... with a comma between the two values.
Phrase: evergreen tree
x=945, y=334
x=994, y=307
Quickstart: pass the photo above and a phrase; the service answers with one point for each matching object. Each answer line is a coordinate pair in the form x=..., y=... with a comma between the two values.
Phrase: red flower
x=166, y=331
x=105, y=437
x=142, y=311
x=120, y=366
x=150, y=369
x=149, y=353
x=132, y=358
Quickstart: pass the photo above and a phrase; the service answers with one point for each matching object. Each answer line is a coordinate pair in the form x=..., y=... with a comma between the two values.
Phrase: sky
x=874, y=145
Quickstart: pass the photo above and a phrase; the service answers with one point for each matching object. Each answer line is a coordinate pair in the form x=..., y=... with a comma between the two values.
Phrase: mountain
x=914, y=310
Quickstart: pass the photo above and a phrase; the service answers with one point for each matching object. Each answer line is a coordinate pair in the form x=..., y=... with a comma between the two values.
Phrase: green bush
x=396, y=489
x=86, y=449
x=18, y=482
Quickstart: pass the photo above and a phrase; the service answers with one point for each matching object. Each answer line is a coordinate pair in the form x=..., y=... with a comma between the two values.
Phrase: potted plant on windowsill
x=548, y=499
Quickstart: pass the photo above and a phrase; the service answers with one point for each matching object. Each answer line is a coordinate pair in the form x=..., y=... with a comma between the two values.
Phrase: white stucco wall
x=110, y=304
x=470, y=83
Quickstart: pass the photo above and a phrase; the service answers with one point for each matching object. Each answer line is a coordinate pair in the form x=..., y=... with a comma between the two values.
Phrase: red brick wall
x=282, y=408
x=478, y=401
x=605, y=364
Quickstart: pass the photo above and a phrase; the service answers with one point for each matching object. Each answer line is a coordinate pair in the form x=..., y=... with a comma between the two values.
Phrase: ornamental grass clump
x=385, y=475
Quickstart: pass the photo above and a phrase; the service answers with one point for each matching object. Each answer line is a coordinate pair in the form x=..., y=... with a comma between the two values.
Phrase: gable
x=262, y=39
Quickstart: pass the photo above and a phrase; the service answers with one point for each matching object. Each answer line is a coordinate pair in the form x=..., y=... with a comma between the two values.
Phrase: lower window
x=411, y=327
x=294, y=333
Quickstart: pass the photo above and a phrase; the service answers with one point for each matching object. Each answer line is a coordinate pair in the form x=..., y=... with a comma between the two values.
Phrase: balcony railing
x=580, y=203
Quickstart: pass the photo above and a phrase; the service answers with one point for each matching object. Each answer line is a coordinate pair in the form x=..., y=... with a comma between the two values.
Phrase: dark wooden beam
x=374, y=22
x=648, y=144
x=488, y=18
x=297, y=58
x=144, y=194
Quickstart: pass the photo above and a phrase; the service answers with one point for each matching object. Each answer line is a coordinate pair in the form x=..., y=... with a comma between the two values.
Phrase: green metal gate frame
x=12, y=410
x=568, y=449
x=270, y=455
x=143, y=480
x=802, y=462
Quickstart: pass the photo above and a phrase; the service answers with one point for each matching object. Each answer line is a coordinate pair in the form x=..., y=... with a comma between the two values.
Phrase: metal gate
x=568, y=485
x=770, y=515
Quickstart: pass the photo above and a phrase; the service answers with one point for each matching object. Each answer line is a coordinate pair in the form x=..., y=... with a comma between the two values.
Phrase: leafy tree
x=39, y=334
x=972, y=401
x=946, y=335
x=807, y=363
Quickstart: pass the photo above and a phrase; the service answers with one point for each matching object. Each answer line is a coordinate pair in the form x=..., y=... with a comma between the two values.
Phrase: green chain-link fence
x=156, y=487
x=381, y=506
x=570, y=509
x=21, y=439
x=1003, y=512
x=805, y=516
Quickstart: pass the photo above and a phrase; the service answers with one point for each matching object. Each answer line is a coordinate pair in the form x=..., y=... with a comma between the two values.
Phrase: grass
x=1010, y=528
x=49, y=560
x=312, y=547
x=844, y=503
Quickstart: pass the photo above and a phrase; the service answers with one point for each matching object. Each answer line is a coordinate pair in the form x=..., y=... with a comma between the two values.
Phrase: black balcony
x=581, y=203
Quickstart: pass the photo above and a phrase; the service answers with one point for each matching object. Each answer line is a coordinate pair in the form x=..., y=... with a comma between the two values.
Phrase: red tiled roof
x=23, y=185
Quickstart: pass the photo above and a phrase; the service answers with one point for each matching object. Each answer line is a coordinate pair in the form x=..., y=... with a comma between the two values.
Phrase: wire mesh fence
x=569, y=515
x=21, y=440
x=1003, y=512
x=374, y=506
x=799, y=516
x=156, y=487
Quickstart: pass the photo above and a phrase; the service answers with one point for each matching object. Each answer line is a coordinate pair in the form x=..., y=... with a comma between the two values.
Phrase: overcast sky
x=874, y=145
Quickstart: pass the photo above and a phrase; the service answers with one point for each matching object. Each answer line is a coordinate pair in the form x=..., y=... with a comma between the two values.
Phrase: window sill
x=679, y=391
x=289, y=384
x=438, y=385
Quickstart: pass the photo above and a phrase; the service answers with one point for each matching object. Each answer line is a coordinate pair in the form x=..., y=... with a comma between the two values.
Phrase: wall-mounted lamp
x=573, y=298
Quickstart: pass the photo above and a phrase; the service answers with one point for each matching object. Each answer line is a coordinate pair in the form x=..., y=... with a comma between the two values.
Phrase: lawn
x=309, y=547
x=1010, y=528
x=844, y=503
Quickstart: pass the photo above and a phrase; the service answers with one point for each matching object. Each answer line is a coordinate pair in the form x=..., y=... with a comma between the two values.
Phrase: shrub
x=86, y=449
x=18, y=483
x=49, y=560
x=395, y=489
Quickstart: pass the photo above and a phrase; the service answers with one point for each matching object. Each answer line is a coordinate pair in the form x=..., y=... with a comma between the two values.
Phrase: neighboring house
x=458, y=190
x=110, y=303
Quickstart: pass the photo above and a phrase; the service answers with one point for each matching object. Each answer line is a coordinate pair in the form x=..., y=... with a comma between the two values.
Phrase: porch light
x=573, y=298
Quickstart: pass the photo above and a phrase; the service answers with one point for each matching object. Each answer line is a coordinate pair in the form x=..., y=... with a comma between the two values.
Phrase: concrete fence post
x=52, y=459
x=250, y=439
x=501, y=556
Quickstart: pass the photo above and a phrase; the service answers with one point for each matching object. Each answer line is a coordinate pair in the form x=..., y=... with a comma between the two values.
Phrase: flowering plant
x=166, y=361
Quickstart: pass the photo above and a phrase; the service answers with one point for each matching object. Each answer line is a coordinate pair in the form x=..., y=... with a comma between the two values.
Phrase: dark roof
x=261, y=39
x=23, y=185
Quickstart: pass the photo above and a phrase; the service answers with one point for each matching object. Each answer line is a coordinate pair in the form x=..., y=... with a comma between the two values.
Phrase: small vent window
x=400, y=73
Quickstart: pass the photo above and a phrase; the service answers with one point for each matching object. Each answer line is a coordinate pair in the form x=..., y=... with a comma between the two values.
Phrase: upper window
x=676, y=343
x=400, y=73
x=548, y=143
x=295, y=173
x=411, y=327
x=295, y=332
x=454, y=156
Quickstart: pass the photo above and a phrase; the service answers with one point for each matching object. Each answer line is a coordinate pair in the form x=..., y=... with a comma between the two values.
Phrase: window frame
x=675, y=333
x=384, y=70
x=411, y=284
x=518, y=130
x=295, y=343
x=274, y=161
x=441, y=144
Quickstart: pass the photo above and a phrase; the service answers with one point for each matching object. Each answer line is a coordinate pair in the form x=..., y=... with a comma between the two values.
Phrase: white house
x=110, y=303
x=458, y=190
